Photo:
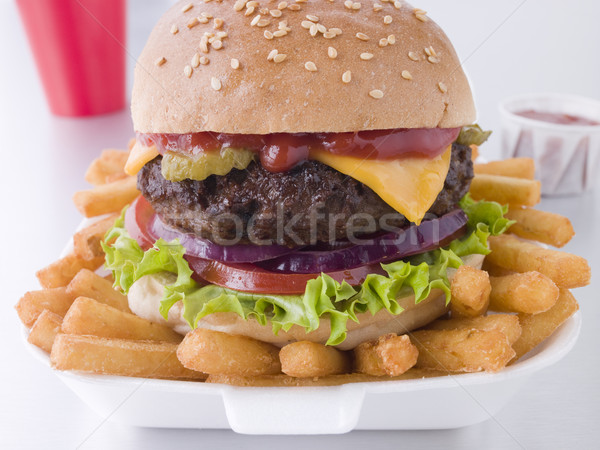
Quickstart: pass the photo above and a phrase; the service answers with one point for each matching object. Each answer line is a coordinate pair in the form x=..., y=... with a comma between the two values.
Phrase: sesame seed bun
x=267, y=77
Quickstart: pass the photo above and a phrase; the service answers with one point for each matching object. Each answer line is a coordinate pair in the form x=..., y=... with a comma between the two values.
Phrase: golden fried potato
x=390, y=355
x=44, y=330
x=310, y=359
x=529, y=292
x=470, y=289
x=33, y=303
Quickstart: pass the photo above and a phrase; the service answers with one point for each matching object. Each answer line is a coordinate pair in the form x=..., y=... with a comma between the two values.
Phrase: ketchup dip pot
x=560, y=132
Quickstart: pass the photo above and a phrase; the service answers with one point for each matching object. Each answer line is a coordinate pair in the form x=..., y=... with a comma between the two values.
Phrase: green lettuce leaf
x=323, y=297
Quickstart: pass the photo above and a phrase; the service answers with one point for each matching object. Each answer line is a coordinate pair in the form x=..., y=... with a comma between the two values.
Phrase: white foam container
x=433, y=403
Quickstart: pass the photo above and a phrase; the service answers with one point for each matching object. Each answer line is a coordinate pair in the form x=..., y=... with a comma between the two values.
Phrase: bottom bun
x=144, y=300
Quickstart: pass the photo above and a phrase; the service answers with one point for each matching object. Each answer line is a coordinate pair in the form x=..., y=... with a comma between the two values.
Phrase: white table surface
x=43, y=161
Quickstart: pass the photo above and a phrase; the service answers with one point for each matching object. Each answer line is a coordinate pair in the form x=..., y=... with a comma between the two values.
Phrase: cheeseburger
x=304, y=169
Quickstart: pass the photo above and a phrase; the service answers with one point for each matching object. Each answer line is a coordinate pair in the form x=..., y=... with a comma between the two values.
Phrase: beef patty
x=311, y=203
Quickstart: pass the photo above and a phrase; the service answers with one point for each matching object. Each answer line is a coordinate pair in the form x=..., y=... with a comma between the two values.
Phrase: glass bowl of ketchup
x=561, y=133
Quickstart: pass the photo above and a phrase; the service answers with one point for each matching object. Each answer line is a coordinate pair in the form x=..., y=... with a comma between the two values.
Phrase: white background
x=508, y=47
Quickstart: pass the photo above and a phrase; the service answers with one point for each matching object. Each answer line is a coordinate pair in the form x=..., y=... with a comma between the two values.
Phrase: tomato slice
x=253, y=279
x=137, y=219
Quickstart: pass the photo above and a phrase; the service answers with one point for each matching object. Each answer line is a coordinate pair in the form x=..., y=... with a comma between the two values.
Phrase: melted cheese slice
x=409, y=185
x=138, y=157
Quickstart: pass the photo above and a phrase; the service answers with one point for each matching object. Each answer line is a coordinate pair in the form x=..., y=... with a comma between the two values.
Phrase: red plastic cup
x=79, y=49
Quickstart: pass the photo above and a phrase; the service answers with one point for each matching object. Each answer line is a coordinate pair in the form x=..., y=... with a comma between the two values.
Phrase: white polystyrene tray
x=452, y=401
x=433, y=403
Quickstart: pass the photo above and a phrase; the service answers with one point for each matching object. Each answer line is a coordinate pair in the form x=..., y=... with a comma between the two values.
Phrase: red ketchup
x=557, y=118
x=280, y=152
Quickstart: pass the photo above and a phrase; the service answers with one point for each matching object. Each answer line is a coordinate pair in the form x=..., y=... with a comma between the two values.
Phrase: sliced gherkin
x=178, y=167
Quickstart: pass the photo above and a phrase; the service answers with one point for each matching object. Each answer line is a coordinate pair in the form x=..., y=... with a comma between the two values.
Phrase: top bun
x=209, y=67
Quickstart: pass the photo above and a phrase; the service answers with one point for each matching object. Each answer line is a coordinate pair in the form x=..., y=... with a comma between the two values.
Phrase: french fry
x=332, y=380
x=106, y=198
x=507, y=324
x=462, y=350
x=514, y=191
x=214, y=352
x=512, y=167
x=566, y=270
x=536, y=328
x=89, y=317
x=86, y=242
x=61, y=272
x=110, y=164
x=529, y=292
x=93, y=354
x=390, y=355
x=309, y=359
x=549, y=228
x=470, y=289
x=89, y=284
x=44, y=330
x=33, y=303
x=474, y=152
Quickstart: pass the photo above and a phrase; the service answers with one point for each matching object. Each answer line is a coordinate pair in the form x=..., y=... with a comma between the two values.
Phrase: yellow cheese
x=409, y=185
x=138, y=157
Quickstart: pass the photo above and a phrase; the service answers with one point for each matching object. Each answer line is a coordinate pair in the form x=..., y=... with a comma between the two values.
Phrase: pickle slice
x=178, y=167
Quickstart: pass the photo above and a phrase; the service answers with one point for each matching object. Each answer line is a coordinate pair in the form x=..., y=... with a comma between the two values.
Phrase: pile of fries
x=497, y=314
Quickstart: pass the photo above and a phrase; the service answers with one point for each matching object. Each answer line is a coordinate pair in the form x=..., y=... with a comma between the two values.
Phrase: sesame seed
x=280, y=33
x=160, y=61
x=376, y=93
x=413, y=56
x=377, y=7
x=282, y=5
x=264, y=11
x=192, y=23
x=272, y=54
x=321, y=28
x=268, y=35
x=196, y=60
x=294, y=8
x=433, y=60
x=174, y=29
x=312, y=18
x=348, y=4
x=313, y=30
x=275, y=13
x=187, y=7
x=387, y=20
x=397, y=4
x=391, y=39
x=215, y=83
x=252, y=4
x=279, y=57
x=187, y=71
x=421, y=15
x=204, y=60
x=218, y=23
x=362, y=36
x=203, y=19
x=329, y=35
x=442, y=87
x=332, y=52
x=263, y=23
x=406, y=75
x=433, y=53
x=249, y=11
x=310, y=66
x=300, y=1
x=217, y=44
x=255, y=20
x=235, y=63
x=383, y=42
x=337, y=31
x=283, y=25
x=347, y=76
x=356, y=6
x=207, y=15
x=306, y=24
x=239, y=5
x=366, y=56
x=222, y=34
x=428, y=51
